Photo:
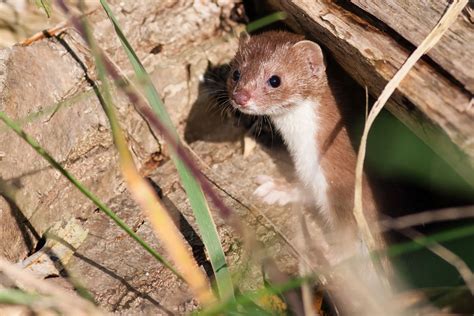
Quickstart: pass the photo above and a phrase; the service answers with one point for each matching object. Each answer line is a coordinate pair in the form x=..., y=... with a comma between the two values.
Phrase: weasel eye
x=236, y=75
x=274, y=81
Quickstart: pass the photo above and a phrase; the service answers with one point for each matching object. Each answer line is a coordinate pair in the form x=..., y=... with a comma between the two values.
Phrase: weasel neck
x=299, y=127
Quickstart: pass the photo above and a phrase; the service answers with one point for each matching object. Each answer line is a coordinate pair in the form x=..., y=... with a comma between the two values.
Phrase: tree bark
x=413, y=20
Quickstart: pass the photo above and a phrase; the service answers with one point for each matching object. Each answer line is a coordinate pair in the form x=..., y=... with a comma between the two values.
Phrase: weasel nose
x=241, y=97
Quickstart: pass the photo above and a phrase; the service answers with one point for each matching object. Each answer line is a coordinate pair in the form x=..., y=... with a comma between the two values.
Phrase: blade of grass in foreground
x=18, y=297
x=46, y=5
x=43, y=153
x=142, y=192
x=61, y=301
x=247, y=300
x=195, y=194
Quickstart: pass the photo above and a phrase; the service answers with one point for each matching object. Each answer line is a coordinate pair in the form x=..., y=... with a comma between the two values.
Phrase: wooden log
x=434, y=107
x=413, y=20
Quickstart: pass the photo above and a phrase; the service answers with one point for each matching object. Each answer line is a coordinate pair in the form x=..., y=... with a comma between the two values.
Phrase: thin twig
x=53, y=31
x=447, y=255
x=422, y=218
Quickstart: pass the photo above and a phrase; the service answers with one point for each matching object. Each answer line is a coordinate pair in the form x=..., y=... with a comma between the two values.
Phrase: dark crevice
x=40, y=244
x=156, y=49
x=28, y=232
x=189, y=234
x=255, y=10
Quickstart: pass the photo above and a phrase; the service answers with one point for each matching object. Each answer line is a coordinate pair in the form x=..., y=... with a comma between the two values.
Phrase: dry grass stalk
x=435, y=35
x=142, y=192
x=63, y=301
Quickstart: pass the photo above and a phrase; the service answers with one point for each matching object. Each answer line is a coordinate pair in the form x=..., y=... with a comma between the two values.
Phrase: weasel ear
x=244, y=37
x=313, y=54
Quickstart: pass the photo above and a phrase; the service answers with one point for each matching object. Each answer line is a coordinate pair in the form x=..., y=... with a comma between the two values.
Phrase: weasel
x=283, y=76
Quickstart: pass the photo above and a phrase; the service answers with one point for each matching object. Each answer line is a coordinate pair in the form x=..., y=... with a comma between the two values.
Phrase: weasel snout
x=241, y=98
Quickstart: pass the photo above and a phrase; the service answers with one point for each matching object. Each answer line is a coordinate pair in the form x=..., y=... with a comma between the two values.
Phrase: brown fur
x=338, y=160
x=267, y=54
x=273, y=53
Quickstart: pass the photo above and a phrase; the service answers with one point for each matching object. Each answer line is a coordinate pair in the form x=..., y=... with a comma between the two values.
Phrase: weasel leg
x=276, y=191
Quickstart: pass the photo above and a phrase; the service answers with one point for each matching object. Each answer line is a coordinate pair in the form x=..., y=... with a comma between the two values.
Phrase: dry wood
x=414, y=19
x=436, y=109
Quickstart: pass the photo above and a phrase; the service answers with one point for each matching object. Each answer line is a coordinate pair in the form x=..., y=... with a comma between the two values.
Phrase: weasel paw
x=273, y=191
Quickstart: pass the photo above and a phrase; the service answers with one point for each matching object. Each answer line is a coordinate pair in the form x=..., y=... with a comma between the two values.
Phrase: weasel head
x=273, y=71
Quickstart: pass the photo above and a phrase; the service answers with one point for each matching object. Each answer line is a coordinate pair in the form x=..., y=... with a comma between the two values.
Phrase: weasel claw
x=272, y=192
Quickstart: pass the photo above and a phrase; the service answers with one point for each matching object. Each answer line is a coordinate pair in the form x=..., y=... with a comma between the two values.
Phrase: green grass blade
x=18, y=297
x=46, y=5
x=143, y=193
x=422, y=242
x=204, y=220
x=247, y=300
x=55, y=164
x=269, y=19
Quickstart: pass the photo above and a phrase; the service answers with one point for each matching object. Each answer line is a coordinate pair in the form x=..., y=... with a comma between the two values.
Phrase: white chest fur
x=298, y=128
